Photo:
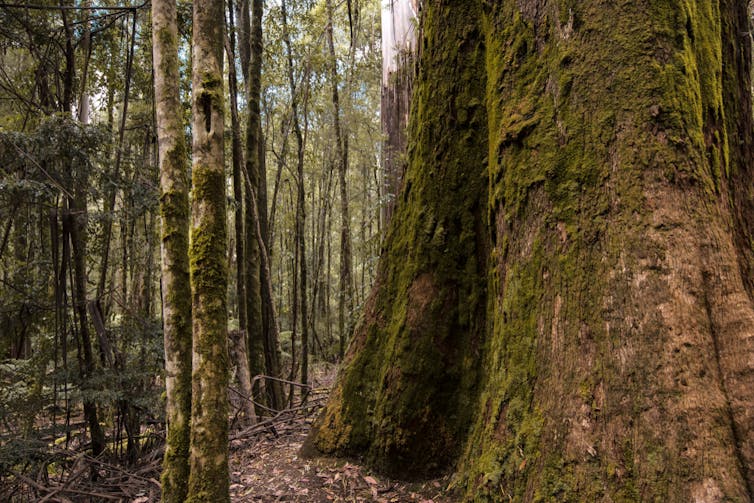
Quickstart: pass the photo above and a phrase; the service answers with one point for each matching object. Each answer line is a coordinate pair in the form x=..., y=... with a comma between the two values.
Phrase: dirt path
x=270, y=470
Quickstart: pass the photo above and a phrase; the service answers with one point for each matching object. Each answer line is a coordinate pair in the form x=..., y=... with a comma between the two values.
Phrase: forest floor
x=270, y=470
x=265, y=466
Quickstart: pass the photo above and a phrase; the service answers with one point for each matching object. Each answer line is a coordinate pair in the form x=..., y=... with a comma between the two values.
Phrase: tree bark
x=174, y=212
x=564, y=305
x=303, y=291
x=240, y=360
x=398, y=74
x=320, y=276
x=208, y=479
x=301, y=234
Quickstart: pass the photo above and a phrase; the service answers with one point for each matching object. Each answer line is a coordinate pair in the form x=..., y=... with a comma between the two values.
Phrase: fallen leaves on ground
x=269, y=469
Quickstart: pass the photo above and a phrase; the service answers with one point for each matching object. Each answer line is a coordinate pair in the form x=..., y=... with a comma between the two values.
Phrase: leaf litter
x=269, y=469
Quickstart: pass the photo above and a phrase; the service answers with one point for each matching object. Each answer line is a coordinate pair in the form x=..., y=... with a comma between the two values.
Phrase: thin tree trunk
x=111, y=193
x=176, y=289
x=345, y=294
x=240, y=360
x=319, y=294
x=208, y=478
x=269, y=315
x=86, y=48
x=266, y=267
x=240, y=352
x=296, y=306
x=328, y=287
x=263, y=344
x=304, y=291
x=255, y=325
x=77, y=215
x=300, y=288
x=243, y=12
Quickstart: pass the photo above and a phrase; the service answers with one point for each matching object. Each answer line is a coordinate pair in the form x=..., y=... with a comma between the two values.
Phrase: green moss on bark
x=586, y=118
x=417, y=344
x=209, y=276
x=177, y=330
x=592, y=366
x=209, y=477
x=176, y=291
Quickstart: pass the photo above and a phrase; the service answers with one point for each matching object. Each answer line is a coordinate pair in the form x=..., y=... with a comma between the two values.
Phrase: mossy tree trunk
x=571, y=315
x=208, y=479
x=408, y=382
x=174, y=212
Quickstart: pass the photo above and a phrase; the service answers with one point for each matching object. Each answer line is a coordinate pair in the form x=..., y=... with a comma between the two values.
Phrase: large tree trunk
x=594, y=266
x=407, y=386
x=176, y=290
x=208, y=480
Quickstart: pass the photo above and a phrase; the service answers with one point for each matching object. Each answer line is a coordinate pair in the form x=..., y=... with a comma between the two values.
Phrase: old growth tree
x=563, y=309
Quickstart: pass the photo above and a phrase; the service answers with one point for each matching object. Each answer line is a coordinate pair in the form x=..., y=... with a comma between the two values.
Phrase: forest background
x=81, y=332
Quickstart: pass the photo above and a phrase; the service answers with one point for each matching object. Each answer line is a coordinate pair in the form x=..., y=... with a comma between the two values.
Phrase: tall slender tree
x=239, y=351
x=78, y=216
x=564, y=306
x=174, y=212
x=300, y=291
x=263, y=340
x=208, y=478
x=253, y=72
x=345, y=292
